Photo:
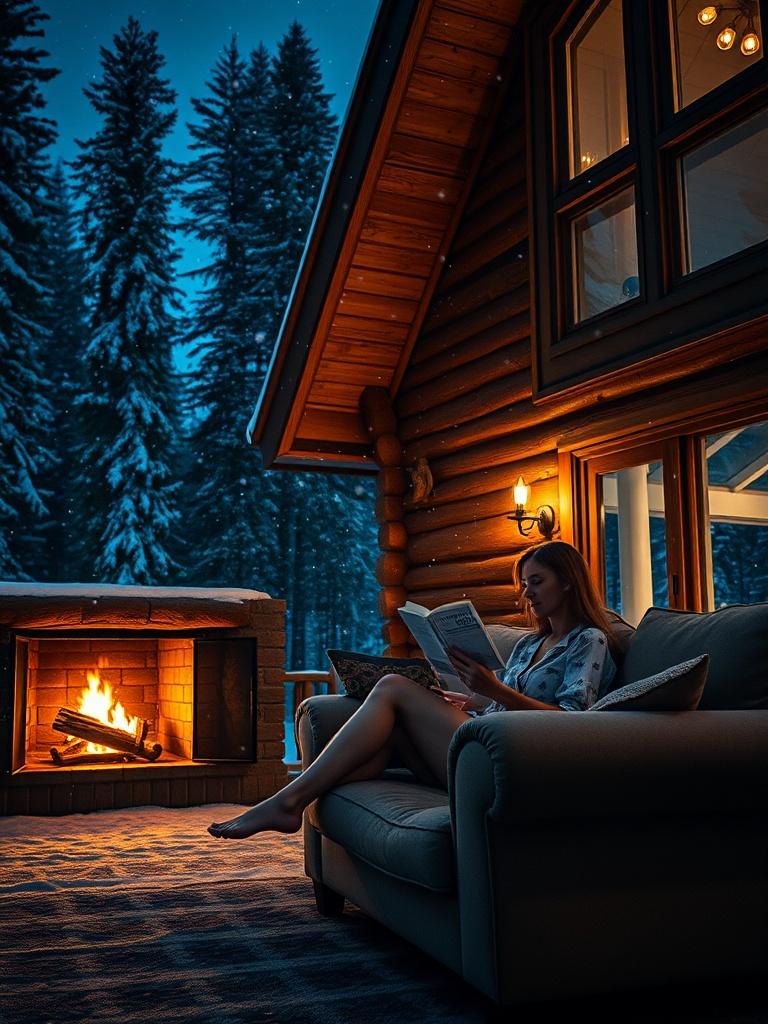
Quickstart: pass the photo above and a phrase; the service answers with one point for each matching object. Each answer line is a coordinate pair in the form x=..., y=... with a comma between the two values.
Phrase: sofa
x=578, y=853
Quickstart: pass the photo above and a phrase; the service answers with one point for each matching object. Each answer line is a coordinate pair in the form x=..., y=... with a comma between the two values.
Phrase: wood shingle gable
x=419, y=123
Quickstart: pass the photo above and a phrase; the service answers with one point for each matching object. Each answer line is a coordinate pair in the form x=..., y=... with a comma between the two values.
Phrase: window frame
x=681, y=446
x=674, y=310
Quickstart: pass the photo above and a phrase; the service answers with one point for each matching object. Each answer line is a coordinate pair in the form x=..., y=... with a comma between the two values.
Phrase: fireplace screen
x=110, y=700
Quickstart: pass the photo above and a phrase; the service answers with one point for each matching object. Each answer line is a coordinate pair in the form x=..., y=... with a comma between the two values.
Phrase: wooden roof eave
x=269, y=424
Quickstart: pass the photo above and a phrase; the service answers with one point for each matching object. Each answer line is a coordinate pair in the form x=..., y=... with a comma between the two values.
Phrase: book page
x=459, y=625
x=432, y=648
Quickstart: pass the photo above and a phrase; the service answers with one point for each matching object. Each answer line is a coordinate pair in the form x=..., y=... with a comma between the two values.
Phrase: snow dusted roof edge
x=327, y=234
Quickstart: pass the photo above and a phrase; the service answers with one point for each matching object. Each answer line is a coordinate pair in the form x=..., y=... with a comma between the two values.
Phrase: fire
x=96, y=700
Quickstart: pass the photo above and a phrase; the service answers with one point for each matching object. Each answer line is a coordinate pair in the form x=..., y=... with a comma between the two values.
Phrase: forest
x=116, y=466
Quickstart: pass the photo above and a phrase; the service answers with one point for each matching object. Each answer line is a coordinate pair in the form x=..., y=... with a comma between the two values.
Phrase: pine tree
x=304, y=130
x=65, y=320
x=230, y=202
x=128, y=415
x=24, y=413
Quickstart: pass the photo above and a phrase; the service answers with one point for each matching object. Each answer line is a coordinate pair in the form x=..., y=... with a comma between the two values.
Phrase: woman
x=562, y=666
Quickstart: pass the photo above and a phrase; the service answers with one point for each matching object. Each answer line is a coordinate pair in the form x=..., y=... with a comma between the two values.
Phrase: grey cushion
x=678, y=688
x=735, y=638
x=401, y=828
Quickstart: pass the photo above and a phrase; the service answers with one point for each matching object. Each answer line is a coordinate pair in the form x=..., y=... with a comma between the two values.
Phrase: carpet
x=139, y=915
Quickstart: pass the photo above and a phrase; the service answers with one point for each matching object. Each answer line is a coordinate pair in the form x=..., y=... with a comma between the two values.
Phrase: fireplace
x=181, y=689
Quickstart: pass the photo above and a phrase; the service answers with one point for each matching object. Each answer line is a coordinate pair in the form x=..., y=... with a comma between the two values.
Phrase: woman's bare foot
x=272, y=815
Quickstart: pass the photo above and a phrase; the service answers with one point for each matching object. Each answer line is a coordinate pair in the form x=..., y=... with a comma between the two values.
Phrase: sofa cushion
x=678, y=688
x=735, y=638
x=401, y=828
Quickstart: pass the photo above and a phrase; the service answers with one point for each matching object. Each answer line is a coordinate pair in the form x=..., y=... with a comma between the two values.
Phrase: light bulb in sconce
x=750, y=44
x=707, y=15
x=727, y=38
x=544, y=519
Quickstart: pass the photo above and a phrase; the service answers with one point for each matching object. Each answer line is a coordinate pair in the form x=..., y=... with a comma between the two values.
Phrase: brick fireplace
x=202, y=669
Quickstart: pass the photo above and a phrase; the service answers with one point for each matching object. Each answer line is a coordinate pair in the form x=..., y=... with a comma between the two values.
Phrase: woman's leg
x=360, y=749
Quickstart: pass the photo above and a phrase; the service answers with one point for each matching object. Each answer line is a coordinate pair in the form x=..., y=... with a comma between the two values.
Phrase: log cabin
x=541, y=253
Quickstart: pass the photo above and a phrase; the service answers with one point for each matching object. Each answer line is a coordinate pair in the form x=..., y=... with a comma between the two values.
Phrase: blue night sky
x=191, y=34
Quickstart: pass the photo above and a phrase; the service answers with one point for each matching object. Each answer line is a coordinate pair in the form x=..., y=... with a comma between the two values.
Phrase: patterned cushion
x=359, y=673
x=678, y=688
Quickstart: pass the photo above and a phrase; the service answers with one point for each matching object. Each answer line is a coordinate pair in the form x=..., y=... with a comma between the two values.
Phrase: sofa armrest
x=586, y=821
x=318, y=719
x=573, y=765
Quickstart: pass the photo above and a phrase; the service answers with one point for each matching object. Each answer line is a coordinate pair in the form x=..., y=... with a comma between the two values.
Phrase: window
x=737, y=490
x=649, y=136
x=678, y=521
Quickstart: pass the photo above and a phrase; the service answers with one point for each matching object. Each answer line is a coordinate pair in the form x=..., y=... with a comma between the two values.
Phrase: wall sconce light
x=545, y=519
x=743, y=10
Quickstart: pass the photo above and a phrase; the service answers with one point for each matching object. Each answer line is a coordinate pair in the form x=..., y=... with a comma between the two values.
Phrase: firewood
x=78, y=753
x=73, y=723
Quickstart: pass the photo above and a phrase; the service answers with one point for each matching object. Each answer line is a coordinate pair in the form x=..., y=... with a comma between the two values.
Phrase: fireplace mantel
x=68, y=606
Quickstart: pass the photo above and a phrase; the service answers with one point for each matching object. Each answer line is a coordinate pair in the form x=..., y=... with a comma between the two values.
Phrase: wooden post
x=381, y=423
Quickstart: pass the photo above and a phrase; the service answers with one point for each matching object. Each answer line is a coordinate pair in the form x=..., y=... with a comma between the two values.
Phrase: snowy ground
x=136, y=846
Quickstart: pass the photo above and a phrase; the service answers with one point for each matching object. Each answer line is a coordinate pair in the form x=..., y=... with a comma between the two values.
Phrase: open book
x=451, y=625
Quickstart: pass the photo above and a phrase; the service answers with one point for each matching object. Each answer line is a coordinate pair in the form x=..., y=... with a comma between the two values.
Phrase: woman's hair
x=571, y=569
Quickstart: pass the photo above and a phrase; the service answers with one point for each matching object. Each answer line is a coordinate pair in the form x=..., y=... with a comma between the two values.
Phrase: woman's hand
x=477, y=677
x=459, y=700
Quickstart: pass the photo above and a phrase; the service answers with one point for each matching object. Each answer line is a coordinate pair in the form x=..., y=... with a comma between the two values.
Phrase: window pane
x=635, y=540
x=605, y=256
x=597, y=86
x=700, y=64
x=725, y=190
x=737, y=464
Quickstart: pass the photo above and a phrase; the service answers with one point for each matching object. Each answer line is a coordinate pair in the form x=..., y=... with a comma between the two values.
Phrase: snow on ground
x=136, y=846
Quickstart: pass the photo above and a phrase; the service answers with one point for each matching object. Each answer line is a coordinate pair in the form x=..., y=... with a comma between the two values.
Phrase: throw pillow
x=678, y=688
x=359, y=673
x=734, y=637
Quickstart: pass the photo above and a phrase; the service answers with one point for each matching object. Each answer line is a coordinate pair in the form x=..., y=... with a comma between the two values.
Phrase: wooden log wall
x=465, y=402
x=471, y=368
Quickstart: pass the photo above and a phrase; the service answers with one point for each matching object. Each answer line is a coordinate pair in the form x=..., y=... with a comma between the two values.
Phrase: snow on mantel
x=100, y=590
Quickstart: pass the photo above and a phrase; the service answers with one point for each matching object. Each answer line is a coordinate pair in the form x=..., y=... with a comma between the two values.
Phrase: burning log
x=73, y=723
x=77, y=753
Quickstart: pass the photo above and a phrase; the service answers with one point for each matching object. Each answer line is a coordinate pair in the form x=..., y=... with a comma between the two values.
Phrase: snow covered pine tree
x=231, y=201
x=327, y=531
x=64, y=315
x=24, y=412
x=128, y=416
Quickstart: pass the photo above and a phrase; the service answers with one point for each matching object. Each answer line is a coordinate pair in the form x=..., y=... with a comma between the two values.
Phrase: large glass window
x=605, y=256
x=725, y=192
x=597, y=86
x=737, y=469
x=636, y=186
x=635, y=540
x=711, y=43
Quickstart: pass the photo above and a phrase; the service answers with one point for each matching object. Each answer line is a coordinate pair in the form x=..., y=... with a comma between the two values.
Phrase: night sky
x=191, y=34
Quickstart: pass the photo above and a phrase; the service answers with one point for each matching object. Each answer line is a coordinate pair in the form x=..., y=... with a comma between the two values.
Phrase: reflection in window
x=597, y=86
x=635, y=540
x=701, y=64
x=605, y=256
x=737, y=466
x=725, y=188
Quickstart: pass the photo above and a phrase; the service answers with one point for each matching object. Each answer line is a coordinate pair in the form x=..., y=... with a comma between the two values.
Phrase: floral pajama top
x=575, y=673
